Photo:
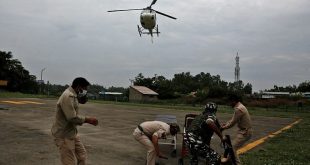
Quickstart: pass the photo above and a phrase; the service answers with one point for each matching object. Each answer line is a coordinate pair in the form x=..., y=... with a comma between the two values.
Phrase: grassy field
x=289, y=147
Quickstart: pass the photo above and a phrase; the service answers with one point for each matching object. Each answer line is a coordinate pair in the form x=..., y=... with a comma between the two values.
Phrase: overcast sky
x=73, y=38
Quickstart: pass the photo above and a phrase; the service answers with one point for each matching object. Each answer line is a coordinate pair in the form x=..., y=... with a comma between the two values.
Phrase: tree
x=247, y=88
x=19, y=79
x=304, y=86
x=183, y=83
x=140, y=80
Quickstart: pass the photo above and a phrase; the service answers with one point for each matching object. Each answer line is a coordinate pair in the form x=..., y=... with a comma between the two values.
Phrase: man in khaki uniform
x=64, y=130
x=148, y=133
x=241, y=117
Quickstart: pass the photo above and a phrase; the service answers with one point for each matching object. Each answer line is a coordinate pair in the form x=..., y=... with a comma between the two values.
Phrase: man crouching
x=148, y=133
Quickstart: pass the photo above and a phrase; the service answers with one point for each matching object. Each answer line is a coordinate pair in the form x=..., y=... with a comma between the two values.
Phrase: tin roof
x=144, y=90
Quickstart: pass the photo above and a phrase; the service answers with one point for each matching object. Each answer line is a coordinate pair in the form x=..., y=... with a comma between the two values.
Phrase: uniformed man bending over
x=148, y=133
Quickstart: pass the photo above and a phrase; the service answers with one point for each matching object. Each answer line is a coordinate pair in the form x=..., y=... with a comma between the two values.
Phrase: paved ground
x=25, y=137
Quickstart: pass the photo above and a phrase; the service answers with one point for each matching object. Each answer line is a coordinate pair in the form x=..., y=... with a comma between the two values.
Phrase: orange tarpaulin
x=3, y=83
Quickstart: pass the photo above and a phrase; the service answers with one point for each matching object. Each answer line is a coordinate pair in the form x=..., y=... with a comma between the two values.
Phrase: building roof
x=110, y=93
x=144, y=90
x=276, y=93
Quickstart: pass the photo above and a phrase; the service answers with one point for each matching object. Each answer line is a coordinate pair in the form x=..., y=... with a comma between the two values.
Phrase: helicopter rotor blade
x=164, y=14
x=123, y=10
x=153, y=2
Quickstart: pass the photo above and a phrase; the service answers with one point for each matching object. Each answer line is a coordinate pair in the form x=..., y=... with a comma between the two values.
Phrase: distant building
x=306, y=94
x=111, y=96
x=270, y=95
x=142, y=94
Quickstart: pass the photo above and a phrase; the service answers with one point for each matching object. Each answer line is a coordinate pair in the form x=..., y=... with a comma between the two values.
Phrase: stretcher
x=171, y=140
x=184, y=151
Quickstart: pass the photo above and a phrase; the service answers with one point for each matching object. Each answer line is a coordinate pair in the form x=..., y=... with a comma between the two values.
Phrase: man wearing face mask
x=64, y=130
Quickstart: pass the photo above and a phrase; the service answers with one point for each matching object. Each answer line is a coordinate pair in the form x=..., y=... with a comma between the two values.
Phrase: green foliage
x=302, y=87
x=289, y=147
x=183, y=85
x=54, y=89
x=95, y=89
x=17, y=76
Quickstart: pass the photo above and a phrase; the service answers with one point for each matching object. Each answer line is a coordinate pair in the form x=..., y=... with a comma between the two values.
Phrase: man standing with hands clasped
x=64, y=130
x=241, y=117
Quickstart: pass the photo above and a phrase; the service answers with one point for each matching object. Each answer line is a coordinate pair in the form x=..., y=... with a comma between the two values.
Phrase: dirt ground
x=25, y=137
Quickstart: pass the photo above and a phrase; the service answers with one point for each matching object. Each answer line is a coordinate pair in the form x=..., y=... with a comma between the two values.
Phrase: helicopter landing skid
x=139, y=30
x=156, y=31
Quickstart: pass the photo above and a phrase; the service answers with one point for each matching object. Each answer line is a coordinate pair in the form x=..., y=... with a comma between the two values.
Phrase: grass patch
x=289, y=147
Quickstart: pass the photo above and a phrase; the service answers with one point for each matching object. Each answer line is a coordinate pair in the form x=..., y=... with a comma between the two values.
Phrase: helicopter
x=147, y=19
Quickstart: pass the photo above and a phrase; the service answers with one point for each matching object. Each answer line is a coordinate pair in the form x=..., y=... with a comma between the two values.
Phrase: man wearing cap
x=148, y=133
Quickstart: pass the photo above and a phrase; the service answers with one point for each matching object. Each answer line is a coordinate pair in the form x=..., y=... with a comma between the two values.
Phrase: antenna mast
x=237, y=69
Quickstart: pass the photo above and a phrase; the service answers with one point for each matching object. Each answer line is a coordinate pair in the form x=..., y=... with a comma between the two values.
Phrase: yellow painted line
x=31, y=102
x=262, y=140
x=21, y=102
x=13, y=102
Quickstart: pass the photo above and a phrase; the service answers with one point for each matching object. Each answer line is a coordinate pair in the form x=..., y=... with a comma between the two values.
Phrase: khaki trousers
x=241, y=138
x=72, y=151
x=144, y=140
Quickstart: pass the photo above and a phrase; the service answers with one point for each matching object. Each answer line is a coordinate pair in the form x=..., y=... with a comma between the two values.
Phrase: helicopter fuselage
x=148, y=19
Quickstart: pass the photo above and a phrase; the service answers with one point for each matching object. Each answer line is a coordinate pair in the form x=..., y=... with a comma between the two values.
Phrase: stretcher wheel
x=173, y=153
x=180, y=161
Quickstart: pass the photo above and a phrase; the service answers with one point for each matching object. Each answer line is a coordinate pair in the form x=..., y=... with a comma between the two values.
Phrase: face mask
x=82, y=97
x=83, y=93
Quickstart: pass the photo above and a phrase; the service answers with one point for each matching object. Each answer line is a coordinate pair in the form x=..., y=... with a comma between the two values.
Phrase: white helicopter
x=147, y=19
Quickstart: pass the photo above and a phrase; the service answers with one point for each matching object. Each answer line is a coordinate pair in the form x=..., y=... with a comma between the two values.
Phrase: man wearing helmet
x=148, y=133
x=199, y=135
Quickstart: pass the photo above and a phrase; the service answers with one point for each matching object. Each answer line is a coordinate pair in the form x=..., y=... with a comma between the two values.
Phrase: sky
x=73, y=38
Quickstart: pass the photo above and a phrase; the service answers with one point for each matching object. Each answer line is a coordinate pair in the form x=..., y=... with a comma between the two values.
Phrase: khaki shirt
x=241, y=117
x=67, y=115
x=157, y=128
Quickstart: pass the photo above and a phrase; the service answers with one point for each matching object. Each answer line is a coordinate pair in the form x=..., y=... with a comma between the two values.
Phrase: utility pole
x=41, y=81
x=131, y=82
x=42, y=72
